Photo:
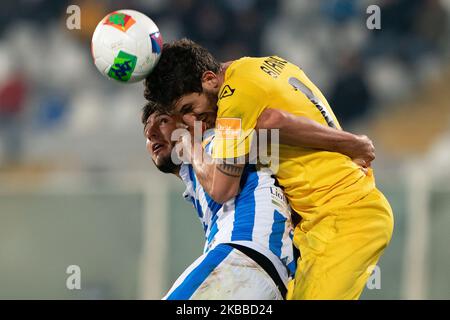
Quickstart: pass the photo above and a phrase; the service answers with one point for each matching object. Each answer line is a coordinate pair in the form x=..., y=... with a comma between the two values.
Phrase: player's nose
x=152, y=133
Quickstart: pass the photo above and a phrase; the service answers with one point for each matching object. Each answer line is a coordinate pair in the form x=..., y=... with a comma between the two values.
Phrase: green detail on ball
x=117, y=18
x=123, y=66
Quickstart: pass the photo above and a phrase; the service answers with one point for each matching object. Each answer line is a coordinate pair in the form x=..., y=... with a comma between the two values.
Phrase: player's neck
x=176, y=172
x=223, y=69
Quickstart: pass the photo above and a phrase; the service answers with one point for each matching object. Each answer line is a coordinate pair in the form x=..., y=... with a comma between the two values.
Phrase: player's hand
x=181, y=125
x=363, y=151
x=183, y=147
x=362, y=165
x=189, y=120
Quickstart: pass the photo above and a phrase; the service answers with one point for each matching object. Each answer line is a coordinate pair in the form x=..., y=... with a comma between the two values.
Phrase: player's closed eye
x=187, y=108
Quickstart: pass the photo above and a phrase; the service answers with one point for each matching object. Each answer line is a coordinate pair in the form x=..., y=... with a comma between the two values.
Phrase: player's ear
x=210, y=81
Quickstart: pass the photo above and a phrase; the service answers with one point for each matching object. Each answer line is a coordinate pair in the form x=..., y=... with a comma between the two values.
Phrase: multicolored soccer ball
x=126, y=46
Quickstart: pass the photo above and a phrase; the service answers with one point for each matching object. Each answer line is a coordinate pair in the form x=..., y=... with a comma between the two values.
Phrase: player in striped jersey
x=248, y=250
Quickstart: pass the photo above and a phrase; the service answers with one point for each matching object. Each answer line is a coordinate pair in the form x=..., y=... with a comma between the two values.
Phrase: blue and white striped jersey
x=259, y=217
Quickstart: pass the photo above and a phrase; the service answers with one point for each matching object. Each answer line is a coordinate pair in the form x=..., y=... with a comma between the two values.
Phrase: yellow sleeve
x=241, y=102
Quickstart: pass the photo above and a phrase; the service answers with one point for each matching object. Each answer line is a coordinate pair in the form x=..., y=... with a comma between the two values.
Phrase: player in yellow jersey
x=346, y=222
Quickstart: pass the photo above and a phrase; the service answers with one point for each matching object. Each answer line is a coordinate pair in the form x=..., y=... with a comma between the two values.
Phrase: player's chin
x=160, y=159
x=164, y=163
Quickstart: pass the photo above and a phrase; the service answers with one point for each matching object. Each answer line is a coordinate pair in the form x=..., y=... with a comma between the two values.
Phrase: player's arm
x=220, y=180
x=301, y=131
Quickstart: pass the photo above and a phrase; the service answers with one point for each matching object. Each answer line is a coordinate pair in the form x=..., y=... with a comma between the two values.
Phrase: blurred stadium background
x=77, y=187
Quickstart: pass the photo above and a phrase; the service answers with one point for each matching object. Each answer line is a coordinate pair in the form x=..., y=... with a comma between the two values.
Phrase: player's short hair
x=179, y=72
x=150, y=108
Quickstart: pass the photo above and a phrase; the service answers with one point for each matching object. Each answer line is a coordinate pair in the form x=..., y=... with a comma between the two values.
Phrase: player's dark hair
x=178, y=72
x=150, y=108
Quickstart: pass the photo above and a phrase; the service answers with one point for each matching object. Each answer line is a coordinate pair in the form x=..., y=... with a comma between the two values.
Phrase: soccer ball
x=126, y=46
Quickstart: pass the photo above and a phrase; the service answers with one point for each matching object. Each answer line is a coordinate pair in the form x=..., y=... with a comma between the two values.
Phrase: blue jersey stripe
x=212, y=205
x=292, y=266
x=212, y=232
x=208, y=147
x=276, y=237
x=192, y=177
x=244, y=216
x=194, y=280
x=197, y=204
x=214, y=228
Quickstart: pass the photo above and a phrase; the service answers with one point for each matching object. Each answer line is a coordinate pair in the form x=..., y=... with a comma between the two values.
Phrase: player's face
x=158, y=131
x=198, y=107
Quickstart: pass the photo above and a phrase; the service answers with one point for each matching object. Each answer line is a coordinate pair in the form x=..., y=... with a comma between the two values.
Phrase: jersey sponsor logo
x=278, y=197
x=120, y=21
x=273, y=66
x=227, y=91
x=228, y=128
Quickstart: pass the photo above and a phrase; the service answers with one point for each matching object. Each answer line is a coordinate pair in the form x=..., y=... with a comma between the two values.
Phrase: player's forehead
x=186, y=101
x=153, y=117
x=157, y=114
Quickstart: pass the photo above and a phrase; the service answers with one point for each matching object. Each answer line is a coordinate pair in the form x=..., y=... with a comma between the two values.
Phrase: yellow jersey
x=314, y=181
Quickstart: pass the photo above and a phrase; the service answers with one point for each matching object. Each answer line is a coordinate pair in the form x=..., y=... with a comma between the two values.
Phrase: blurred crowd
x=57, y=110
